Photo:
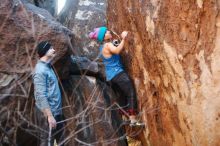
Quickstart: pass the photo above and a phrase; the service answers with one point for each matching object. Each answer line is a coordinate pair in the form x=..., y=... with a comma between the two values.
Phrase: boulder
x=172, y=55
x=81, y=17
x=23, y=27
x=90, y=113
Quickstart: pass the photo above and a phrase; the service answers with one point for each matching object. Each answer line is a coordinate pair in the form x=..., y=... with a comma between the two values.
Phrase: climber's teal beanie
x=98, y=34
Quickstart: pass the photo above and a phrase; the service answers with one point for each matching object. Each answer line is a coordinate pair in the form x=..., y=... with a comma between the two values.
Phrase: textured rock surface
x=23, y=26
x=173, y=57
x=95, y=120
x=81, y=16
x=49, y=5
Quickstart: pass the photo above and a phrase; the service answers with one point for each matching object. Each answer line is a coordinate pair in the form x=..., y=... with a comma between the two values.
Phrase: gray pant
x=43, y=129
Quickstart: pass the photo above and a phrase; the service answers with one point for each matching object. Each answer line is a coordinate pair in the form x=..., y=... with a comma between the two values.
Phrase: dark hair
x=42, y=48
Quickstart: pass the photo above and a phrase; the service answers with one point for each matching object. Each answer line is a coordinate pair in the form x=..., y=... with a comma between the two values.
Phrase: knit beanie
x=98, y=34
x=42, y=48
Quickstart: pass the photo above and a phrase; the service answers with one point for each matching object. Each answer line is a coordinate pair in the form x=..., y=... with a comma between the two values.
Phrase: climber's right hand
x=124, y=34
x=51, y=121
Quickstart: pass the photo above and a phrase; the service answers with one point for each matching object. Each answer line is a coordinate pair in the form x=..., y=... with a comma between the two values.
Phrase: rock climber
x=115, y=73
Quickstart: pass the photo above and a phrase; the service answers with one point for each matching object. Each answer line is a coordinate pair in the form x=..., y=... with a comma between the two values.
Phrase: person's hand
x=124, y=34
x=52, y=122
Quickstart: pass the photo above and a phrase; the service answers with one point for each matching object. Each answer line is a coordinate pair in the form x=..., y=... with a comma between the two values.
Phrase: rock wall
x=95, y=122
x=49, y=5
x=90, y=120
x=172, y=55
x=81, y=17
x=22, y=27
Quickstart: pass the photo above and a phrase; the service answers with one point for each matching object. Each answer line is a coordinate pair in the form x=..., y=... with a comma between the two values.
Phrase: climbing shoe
x=137, y=124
